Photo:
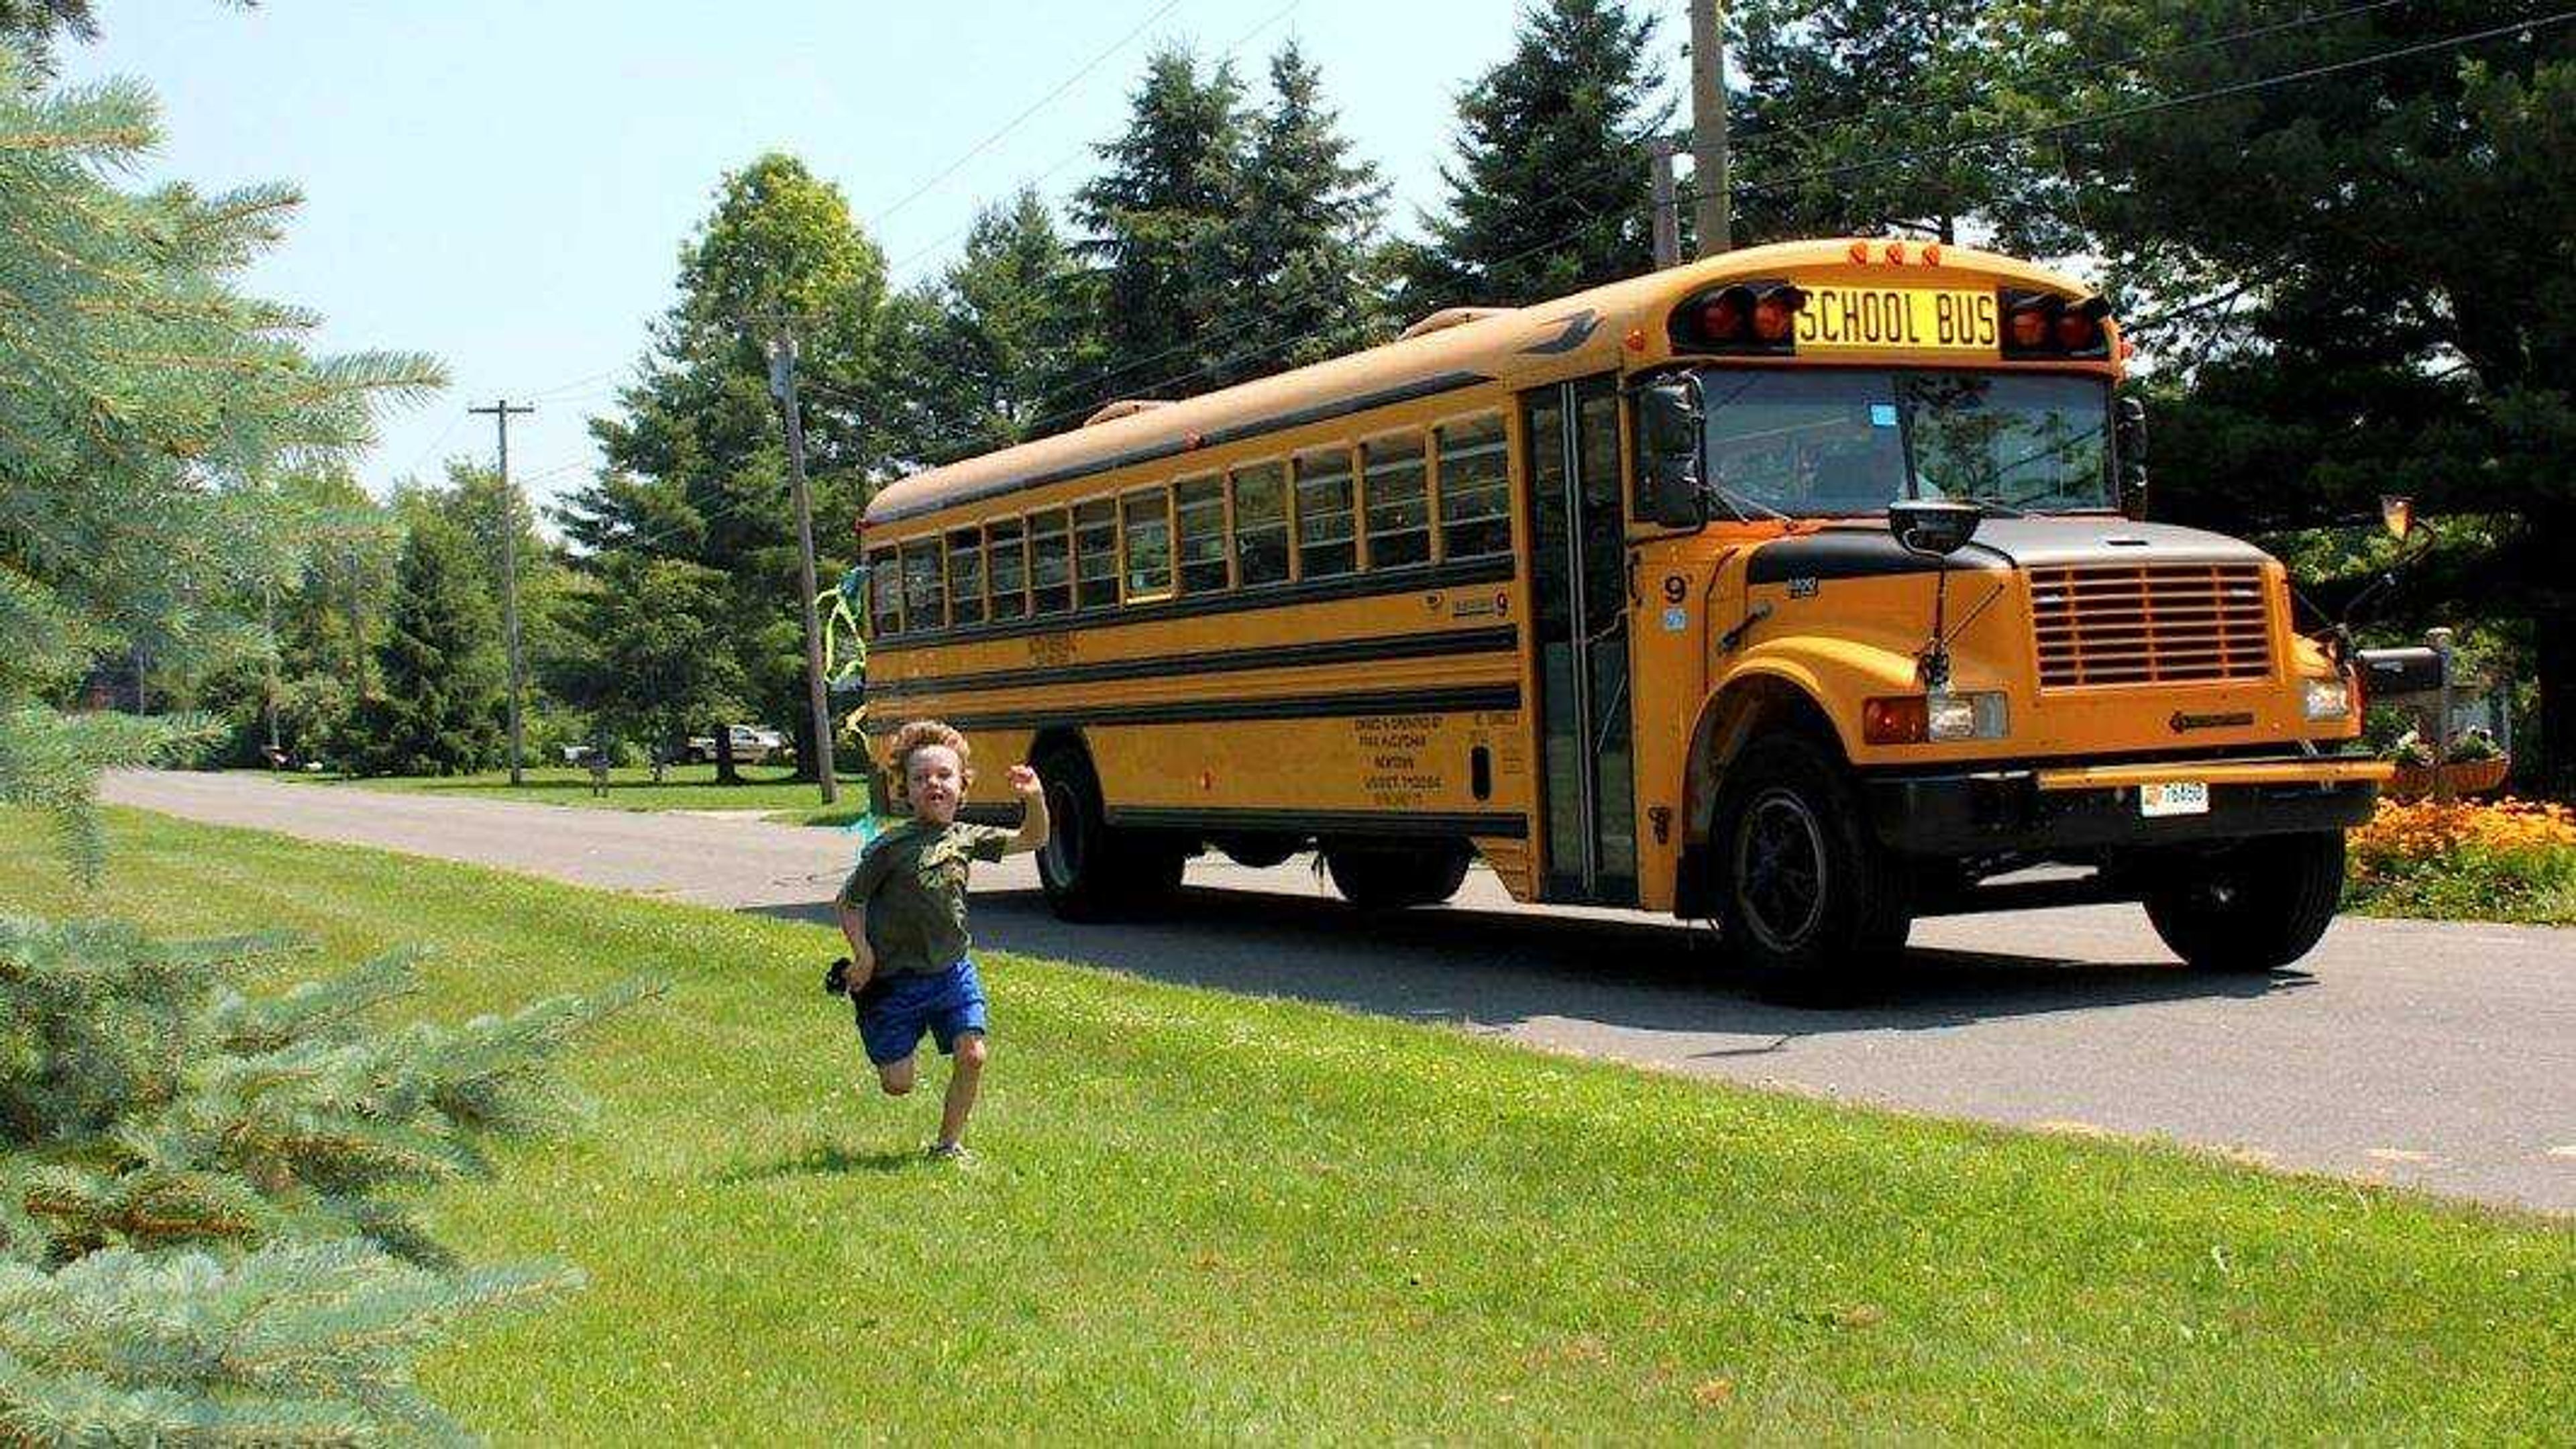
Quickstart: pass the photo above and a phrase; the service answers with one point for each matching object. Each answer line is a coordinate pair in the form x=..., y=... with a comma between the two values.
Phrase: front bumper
x=2041, y=809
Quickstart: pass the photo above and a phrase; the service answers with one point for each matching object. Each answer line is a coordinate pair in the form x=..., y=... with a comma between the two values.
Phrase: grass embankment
x=1202, y=1216
x=684, y=787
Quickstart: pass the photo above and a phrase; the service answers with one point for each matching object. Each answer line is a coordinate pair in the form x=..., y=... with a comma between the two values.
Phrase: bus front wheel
x=1811, y=905
x=1091, y=870
x=1387, y=878
x=2251, y=907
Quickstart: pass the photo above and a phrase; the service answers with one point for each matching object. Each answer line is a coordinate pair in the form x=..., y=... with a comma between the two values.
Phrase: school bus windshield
x=1835, y=442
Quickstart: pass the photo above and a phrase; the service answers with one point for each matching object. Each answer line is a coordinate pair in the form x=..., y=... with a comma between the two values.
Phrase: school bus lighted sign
x=1840, y=318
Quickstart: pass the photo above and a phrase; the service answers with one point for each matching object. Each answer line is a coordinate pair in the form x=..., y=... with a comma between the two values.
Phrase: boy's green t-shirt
x=912, y=882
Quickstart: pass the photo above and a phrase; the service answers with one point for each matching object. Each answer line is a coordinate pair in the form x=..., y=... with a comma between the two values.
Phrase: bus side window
x=885, y=594
x=925, y=601
x=1147, y=515
x=1050, y=562
x=966, y=576
x=1399, y=510
x=1199, y=505
x=1095, y=554
x=1008, y=567
x=1326, y=544
x=1261, y=524
x=1475, y=489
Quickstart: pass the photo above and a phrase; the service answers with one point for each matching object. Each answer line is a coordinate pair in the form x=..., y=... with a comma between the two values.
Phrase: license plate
x=2174, y=797
x=1883, y=318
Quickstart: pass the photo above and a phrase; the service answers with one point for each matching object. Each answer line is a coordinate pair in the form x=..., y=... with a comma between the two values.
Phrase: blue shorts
x=896, y=1009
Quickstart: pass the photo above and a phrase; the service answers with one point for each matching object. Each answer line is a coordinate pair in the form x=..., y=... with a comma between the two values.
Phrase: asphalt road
x=2440, y=1056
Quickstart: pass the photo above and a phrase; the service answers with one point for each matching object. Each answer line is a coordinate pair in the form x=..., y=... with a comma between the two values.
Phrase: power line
x=2145, y=108
x=1079, y=152
x=970, y=449
x=1042, y=102
x=413, y=466
x=2133, y=59
x=1972, y=143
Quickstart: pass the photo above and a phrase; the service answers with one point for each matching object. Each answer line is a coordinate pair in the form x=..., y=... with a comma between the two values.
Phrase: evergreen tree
x=1159, y=219
x=696, y=465
x=152, y=406
x=1305, y=259
x=1832, y=90
x=33, y=25
x=199, y=1238
x=441, y=668
x=1550, y=190
x=996, y=346
x=2359, y=284
x=187, y=1171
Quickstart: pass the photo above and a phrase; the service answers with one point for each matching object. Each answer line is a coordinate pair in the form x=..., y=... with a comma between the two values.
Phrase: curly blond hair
x=920, y=734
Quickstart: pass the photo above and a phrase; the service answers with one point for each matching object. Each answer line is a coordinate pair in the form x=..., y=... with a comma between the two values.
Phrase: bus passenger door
x=1587, y=799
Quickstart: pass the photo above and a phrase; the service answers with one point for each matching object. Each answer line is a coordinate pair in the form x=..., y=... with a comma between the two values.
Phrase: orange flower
x=2407, y=831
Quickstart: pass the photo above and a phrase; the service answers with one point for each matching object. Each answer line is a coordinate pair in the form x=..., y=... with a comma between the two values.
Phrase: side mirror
x=1669, y=455
x=1936, y=527
x=2129, y=447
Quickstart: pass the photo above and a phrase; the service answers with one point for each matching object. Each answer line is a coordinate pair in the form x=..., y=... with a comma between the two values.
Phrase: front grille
x=2150, y=623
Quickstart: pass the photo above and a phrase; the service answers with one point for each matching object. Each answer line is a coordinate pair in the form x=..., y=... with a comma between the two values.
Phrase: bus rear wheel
x=1810, y=904
x=1091, y=870
x=2252, y=907
x=1392, y=877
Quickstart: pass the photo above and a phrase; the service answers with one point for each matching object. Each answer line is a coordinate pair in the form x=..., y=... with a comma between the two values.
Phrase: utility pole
x=502, y=411
x=782, y=385
x=1668, y=219
x=1709, y=175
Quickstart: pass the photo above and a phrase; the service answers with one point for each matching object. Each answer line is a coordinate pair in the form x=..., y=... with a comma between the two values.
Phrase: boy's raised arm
x=1033, y=824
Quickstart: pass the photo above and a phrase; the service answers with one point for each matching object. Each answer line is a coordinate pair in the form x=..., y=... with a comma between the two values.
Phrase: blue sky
x=507, y=186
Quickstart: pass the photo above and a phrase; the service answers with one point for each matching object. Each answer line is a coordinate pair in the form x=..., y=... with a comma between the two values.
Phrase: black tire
x=1090, y=870
x=2252, y=907
x=1392, y=877
x=1809, y=903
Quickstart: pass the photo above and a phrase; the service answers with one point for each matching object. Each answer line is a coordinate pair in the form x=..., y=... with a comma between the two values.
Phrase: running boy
x=904, y=912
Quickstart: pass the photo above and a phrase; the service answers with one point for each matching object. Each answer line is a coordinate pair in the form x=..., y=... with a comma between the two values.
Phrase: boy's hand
x=1025, y=781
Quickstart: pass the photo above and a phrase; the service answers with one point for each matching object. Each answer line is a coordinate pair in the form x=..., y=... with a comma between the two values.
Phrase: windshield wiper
x=1739, y=502
x=1996, y=507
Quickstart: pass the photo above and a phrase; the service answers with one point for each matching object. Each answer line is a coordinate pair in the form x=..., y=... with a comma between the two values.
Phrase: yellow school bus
x=1807, y=588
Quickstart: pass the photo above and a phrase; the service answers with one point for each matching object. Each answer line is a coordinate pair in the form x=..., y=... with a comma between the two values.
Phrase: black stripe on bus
x=1431, y=386
x=1408, y=579
x=1418, y=645
x=1456, y=700
x=1320, y=822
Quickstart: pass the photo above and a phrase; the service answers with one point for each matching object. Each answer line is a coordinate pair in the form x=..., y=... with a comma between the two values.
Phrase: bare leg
x=896, y=1077
x=962, y=1082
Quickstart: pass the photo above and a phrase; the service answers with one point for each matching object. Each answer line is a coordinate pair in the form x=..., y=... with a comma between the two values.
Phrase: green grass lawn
x=684, y=787
x=1200, y=1216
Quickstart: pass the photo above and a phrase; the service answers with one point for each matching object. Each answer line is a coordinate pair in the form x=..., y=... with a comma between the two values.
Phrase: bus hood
x=2041, y=542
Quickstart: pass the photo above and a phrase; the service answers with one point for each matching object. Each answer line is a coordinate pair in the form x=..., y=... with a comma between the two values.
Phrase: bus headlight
x=1979, y=716
x=1911, y=719
x=2328, y=698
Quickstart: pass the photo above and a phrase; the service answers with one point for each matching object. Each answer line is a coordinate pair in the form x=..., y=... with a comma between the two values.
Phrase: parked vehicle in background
x=752, y=745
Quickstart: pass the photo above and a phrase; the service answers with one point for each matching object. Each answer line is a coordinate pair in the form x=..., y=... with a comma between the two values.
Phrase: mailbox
x=2389, y=675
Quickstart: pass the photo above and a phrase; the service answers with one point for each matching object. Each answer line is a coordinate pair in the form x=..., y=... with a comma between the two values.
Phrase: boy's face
x=934, y=780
